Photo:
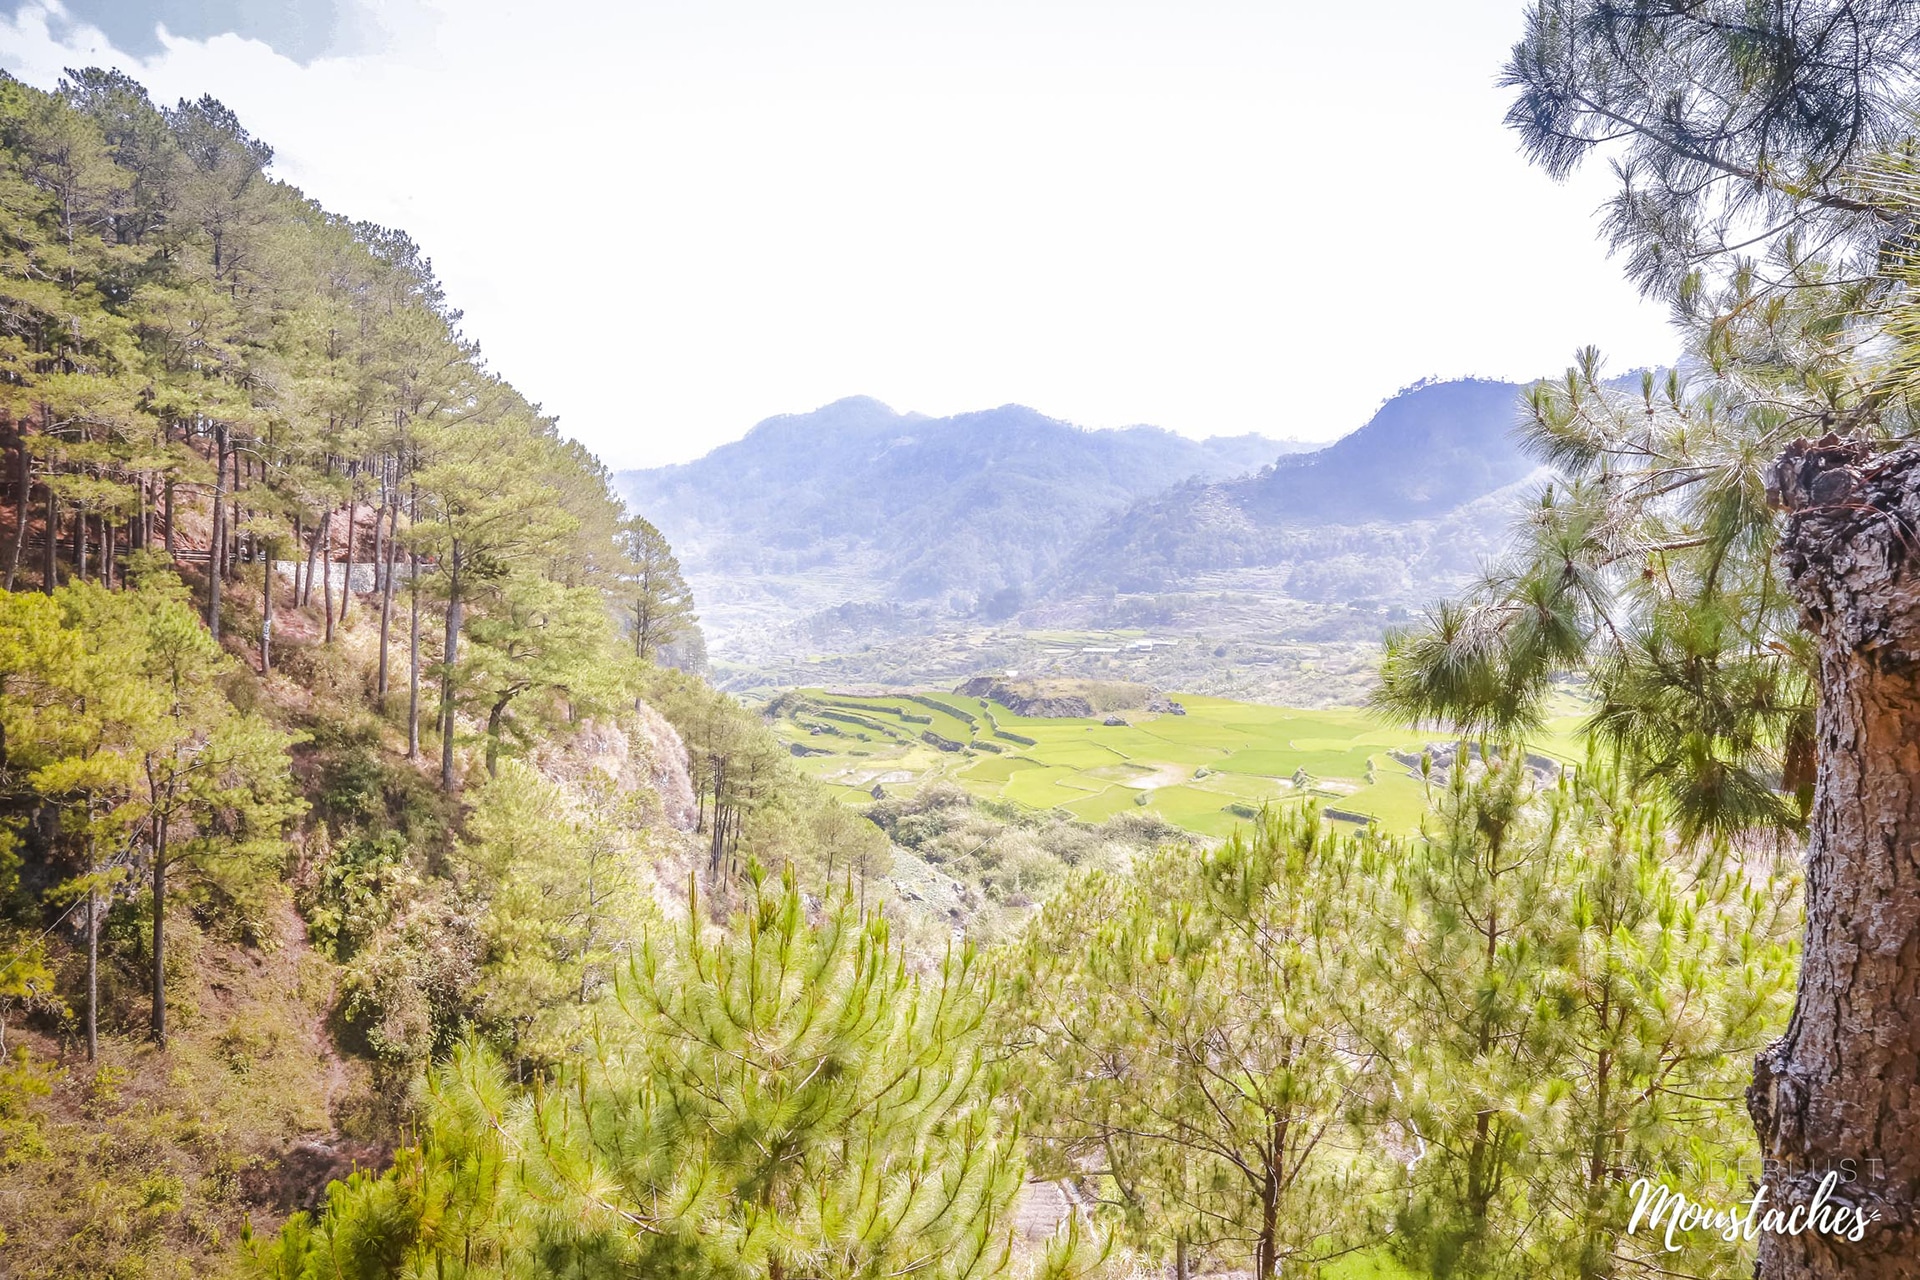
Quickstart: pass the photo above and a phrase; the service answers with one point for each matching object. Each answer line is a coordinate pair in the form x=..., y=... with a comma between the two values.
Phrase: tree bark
x=235, y=521
x=326, y=574
x=413, y=657
x=496, y=719
x=160, y=933
x=266, y=613
x=346, y=586
x=49, y=568
x=413, y=627
x=450, y=653
x=1841, y=1089
x=216, y=544
x=23, y=503
x=386, y=560
x=313, y=555
x=93, y=972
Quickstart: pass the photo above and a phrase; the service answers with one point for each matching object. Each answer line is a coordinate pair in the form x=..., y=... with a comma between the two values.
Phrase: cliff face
x=644, y=754
x=668, y=771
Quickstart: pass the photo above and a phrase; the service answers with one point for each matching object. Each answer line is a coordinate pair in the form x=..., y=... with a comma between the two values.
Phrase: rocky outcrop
x=668, y=767
x=1066, y=699
x=1544, y=769
x=645, y=754
x=1026, y=698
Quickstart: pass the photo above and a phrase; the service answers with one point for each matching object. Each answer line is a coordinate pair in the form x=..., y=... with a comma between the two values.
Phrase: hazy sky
x=668, y=219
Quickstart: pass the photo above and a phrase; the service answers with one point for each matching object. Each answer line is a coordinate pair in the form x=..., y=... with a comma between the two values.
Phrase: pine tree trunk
x=160, y=933
x=1267, y=1250
x=383, y=583
x=326, y=574
x=23, y=503
x=413, y=640
x=80, y=544
x=496, y=718
x=346, y=585
x=234, y=523
x=93, y=973
x=167, y=516
x=450, y=653
x=313, y=556
x=1843, y=1084
x=49, y=568
x=719, y=826
x=266, y=613
x=217, y=543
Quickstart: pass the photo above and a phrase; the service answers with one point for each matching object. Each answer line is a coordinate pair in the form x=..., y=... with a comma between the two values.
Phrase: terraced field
x=1207, y=770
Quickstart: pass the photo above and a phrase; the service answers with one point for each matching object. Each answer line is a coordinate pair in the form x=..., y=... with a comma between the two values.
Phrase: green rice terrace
x=1201, y=763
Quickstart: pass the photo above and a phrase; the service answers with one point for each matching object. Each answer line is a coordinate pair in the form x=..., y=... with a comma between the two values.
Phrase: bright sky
x=668, y=219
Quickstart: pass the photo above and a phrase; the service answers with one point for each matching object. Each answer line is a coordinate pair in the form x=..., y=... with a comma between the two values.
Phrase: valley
x=1205, y=765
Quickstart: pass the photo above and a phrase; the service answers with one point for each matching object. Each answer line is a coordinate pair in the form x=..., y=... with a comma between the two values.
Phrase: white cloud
x=668, y=219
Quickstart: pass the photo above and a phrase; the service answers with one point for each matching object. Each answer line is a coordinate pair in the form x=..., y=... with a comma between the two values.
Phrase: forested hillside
x=334, y=727
x=855, y=503
x=931, y=508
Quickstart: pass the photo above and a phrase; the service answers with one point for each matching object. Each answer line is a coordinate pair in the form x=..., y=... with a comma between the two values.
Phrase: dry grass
x=148, y=1162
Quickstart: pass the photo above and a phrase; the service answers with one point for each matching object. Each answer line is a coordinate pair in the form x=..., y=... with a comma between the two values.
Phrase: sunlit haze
x=666, y=221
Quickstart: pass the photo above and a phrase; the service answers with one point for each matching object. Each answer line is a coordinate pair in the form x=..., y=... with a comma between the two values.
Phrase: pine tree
x=1768, y=191
x=534, y=638
x=658, y=601
x=562, y=875
x=780, y=1098
x=1183, y=1033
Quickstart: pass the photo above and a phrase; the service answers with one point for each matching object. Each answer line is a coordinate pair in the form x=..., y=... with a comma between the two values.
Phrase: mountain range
x=929, y=508
x=1398, y=509
x=855, y=511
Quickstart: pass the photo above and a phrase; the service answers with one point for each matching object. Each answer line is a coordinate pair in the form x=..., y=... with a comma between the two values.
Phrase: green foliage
x=1008, y=858
x=784, y=1097
x=1740, y=125
x=354, y=889
x=1183, y=1032
x=656, y=599
x=1467, y=1045
x=1577, y=1003
x=113, y=714
x=563, y=875
x=1766, y=193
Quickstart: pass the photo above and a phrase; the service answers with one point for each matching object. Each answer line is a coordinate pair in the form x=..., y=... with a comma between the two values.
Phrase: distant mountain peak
x=854, y=502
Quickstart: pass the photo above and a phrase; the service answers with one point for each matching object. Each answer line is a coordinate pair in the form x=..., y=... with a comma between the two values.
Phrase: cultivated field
x=1205, y=771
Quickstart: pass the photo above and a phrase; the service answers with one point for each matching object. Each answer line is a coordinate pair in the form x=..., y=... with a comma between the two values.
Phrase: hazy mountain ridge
x=929, y=507
x=854, y=529
x=1407, y=501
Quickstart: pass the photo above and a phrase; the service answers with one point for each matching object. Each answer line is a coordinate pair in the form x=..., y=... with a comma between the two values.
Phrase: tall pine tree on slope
x=1757, y=669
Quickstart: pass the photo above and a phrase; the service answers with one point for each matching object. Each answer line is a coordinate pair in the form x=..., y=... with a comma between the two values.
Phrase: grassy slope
x=149, y=1162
